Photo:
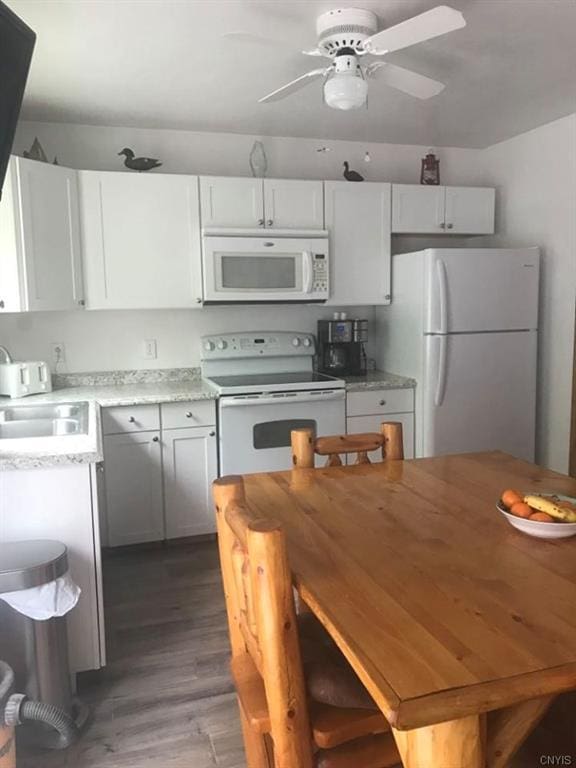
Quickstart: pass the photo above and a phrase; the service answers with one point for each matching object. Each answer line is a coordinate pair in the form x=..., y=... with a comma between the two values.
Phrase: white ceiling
x=165, y=64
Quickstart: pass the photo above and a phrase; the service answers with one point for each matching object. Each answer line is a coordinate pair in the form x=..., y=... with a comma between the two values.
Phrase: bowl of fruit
x=544, y=515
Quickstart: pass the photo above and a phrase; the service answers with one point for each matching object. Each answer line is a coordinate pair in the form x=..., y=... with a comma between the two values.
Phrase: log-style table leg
x=453, y=744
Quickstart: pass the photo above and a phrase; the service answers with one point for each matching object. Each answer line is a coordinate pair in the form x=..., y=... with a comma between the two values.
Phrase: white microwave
x=265, y=268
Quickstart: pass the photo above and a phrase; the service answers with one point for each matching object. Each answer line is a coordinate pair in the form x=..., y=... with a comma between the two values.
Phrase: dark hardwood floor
x=165, y=698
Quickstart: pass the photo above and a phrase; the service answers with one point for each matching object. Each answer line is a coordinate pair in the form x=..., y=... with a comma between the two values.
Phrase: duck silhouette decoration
x=351, y=175
x=138, y=163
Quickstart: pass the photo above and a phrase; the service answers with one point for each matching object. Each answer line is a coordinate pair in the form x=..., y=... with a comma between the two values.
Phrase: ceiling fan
x=346, y=35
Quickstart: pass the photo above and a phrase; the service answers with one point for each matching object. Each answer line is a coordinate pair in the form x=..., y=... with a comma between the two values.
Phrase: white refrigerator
x=464, y=324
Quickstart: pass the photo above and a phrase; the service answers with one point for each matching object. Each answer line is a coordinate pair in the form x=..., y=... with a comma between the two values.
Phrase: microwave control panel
x=319, y=273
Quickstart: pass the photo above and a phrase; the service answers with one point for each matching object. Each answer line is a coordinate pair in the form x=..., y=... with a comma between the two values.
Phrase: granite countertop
x=115, y=388
x=378, y=380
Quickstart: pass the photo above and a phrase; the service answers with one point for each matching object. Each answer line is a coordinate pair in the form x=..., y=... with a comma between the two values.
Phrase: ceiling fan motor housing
x=345, y=28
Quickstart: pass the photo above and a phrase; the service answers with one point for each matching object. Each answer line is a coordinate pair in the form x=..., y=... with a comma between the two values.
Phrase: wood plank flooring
x=165, y=699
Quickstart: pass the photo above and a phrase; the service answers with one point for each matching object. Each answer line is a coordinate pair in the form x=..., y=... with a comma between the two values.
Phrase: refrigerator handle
x=441, y=376
x=442, y=295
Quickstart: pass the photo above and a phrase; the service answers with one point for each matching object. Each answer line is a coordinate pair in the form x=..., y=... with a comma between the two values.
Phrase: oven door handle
x=300, y=397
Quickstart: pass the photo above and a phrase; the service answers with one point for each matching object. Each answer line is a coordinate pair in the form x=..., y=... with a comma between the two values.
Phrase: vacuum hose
x=63, y=724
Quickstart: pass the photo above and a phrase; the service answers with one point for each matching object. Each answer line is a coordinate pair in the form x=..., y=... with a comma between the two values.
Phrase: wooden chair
x=281, y=727
x=304, y=446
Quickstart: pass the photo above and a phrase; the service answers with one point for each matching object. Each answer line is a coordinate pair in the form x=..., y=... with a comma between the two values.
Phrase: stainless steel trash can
x=37, y=651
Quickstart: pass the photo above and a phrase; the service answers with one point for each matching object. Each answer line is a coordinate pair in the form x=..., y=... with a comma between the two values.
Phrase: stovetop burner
x=268, y=379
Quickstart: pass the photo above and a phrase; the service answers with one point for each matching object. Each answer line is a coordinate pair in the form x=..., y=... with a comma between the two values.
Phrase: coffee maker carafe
x=341, y=347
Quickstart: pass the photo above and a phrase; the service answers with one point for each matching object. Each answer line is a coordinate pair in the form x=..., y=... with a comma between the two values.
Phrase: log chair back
x=262, y=617
x=304, y=446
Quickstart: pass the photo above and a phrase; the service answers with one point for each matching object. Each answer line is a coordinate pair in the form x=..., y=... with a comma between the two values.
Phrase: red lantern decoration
x=430, y=173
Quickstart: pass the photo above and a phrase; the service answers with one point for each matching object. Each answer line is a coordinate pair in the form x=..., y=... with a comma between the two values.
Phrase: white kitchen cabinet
x=62, y=503
x=470, y=210
x=190, y=466
x=371, y=423
x=141, y=240
x=425, y=209
x=293, y=204
x=358, y=218
x=133, y=477
x=40, y=252
x=268, y=203
x=231, y=202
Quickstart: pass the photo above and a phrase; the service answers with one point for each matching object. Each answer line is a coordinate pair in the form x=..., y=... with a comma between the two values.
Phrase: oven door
x=254, y=433
x=261, y=269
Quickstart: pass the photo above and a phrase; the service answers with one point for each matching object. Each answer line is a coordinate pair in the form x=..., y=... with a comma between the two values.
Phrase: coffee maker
x=341, y=347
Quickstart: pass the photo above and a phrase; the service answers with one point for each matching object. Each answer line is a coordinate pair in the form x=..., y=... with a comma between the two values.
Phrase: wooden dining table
x=462, y=628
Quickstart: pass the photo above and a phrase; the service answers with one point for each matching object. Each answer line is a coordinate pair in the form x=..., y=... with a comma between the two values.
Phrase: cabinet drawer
x=379, y=401
x=130, y=418
x=197, y=413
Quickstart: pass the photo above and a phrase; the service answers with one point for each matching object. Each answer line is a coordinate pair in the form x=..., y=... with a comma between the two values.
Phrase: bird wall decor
x=351, y=175
x=138, y=163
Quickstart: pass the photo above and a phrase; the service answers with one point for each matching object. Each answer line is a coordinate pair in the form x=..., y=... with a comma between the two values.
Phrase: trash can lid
x=26, y=564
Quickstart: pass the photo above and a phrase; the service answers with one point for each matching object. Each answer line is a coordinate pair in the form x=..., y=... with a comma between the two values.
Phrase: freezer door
x=479, y=394
x=481, y=289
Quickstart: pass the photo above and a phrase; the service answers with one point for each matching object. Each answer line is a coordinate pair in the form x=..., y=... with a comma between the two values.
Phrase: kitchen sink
x=56, y=420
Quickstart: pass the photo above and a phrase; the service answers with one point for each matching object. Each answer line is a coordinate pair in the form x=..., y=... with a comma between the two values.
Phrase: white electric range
x=267, y=387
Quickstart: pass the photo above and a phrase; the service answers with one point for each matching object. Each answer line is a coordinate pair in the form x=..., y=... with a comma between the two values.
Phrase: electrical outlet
x=58, y=352
x=150, y=349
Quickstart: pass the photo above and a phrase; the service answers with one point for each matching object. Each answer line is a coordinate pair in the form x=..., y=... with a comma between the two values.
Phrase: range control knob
x=222, y=344
x=295, y=341
x=209, y=346
x=307, y=342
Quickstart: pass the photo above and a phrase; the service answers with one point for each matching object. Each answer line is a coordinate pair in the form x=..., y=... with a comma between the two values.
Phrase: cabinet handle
x=212, y=434
x=2, y=305
x=382, y=402
x=449, y=226
x=132, y=420
x=443, y=225
x=269, y=222
x=81, y=302
x=260, y=222
x=198, y=301
x=155, y=439
x=188, y=414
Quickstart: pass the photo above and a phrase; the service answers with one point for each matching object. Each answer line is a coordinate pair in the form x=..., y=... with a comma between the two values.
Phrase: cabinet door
x=359, y=424
x=358, y=217
x=291, y=204
x=417, y=208
x=141, y=238
x=470, y=210
x=50, y=235
x=190, y=466
x=133, y=477
x=230, y=202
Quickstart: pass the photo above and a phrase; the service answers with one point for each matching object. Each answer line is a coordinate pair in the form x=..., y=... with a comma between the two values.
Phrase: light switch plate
x=150, y=349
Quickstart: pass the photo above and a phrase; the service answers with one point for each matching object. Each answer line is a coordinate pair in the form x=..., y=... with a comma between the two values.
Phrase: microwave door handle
x=307, y=272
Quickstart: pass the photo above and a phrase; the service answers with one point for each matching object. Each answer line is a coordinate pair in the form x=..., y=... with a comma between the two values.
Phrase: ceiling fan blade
x=433, y=23
x=294, y=85
x=315, y=52
x=405, y=80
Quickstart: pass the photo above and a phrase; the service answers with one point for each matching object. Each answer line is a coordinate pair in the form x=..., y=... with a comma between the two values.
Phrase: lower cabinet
x=133, y=470
x=159, y=481
x=190, y=466
x=367, y=409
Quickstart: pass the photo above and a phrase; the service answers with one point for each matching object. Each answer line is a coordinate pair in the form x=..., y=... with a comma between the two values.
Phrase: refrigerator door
x=479, y=394
x=481, y=289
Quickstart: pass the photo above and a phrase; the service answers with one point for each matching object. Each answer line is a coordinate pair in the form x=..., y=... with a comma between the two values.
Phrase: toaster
x=18, y=379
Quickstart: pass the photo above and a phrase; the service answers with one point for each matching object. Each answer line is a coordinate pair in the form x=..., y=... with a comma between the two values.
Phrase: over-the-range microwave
x=260, y=266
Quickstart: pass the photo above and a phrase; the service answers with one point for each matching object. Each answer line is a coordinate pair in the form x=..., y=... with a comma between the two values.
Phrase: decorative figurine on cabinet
x=138, y=163
x=351, y=175
x=430, y=173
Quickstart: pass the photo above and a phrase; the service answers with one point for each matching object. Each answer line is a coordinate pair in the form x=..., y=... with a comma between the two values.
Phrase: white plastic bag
x=55, y=598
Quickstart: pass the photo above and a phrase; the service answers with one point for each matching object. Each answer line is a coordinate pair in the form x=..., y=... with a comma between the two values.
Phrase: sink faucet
x=7, y=355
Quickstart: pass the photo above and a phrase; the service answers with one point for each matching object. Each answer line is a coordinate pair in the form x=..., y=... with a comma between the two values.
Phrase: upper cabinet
x=438, y=210
x=40, y=259
x=141, y=240
x=358, y=218
x=250, y=203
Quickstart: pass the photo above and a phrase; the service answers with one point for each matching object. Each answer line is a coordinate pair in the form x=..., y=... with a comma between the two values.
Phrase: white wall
x=108, y=340
x=535, y=176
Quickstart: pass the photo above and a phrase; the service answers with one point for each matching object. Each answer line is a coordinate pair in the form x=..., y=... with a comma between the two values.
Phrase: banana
x=545, y=505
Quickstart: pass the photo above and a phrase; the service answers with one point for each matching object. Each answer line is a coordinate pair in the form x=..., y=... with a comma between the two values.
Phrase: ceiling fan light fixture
x=344, y=91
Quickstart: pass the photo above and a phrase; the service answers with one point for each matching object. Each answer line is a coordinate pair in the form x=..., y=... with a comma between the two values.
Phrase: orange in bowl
x=511, y=497
x=520, y=509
